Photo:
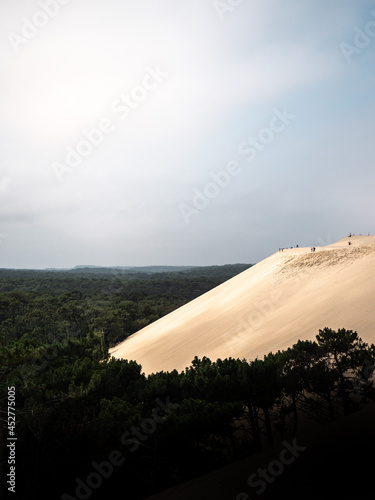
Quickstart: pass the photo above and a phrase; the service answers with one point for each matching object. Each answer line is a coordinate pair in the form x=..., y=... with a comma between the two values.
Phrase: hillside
x=286, y=297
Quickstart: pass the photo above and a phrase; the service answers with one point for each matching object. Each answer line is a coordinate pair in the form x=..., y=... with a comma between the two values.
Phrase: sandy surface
x=286, y=297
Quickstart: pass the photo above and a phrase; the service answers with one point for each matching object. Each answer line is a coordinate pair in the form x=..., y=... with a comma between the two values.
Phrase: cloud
x=4, y=185
x=224, y=80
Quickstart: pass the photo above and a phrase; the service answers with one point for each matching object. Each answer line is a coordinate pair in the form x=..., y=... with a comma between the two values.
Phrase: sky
x=197, y=132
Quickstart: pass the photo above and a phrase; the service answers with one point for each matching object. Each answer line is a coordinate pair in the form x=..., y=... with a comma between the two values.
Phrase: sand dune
x=286, y=297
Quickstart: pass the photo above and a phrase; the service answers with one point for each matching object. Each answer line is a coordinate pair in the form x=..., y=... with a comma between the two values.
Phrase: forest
x=89, y=426
x=54, y=305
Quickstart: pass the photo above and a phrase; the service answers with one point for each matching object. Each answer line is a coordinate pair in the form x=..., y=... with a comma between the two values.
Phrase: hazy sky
x=195, y=132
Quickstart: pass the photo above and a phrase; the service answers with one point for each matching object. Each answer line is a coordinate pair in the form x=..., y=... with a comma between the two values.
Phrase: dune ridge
x=287, y=296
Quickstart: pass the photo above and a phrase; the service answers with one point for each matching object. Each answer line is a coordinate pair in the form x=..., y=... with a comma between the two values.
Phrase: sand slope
x=286, y=297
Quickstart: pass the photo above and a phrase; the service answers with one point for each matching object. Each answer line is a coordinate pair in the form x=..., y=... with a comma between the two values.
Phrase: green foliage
x=54, y=305
x=115, y=416
x=331, y=375
x=74, y=403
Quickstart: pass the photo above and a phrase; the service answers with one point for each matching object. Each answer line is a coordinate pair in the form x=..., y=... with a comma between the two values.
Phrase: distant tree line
x=89, y=281
x=54, y=305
